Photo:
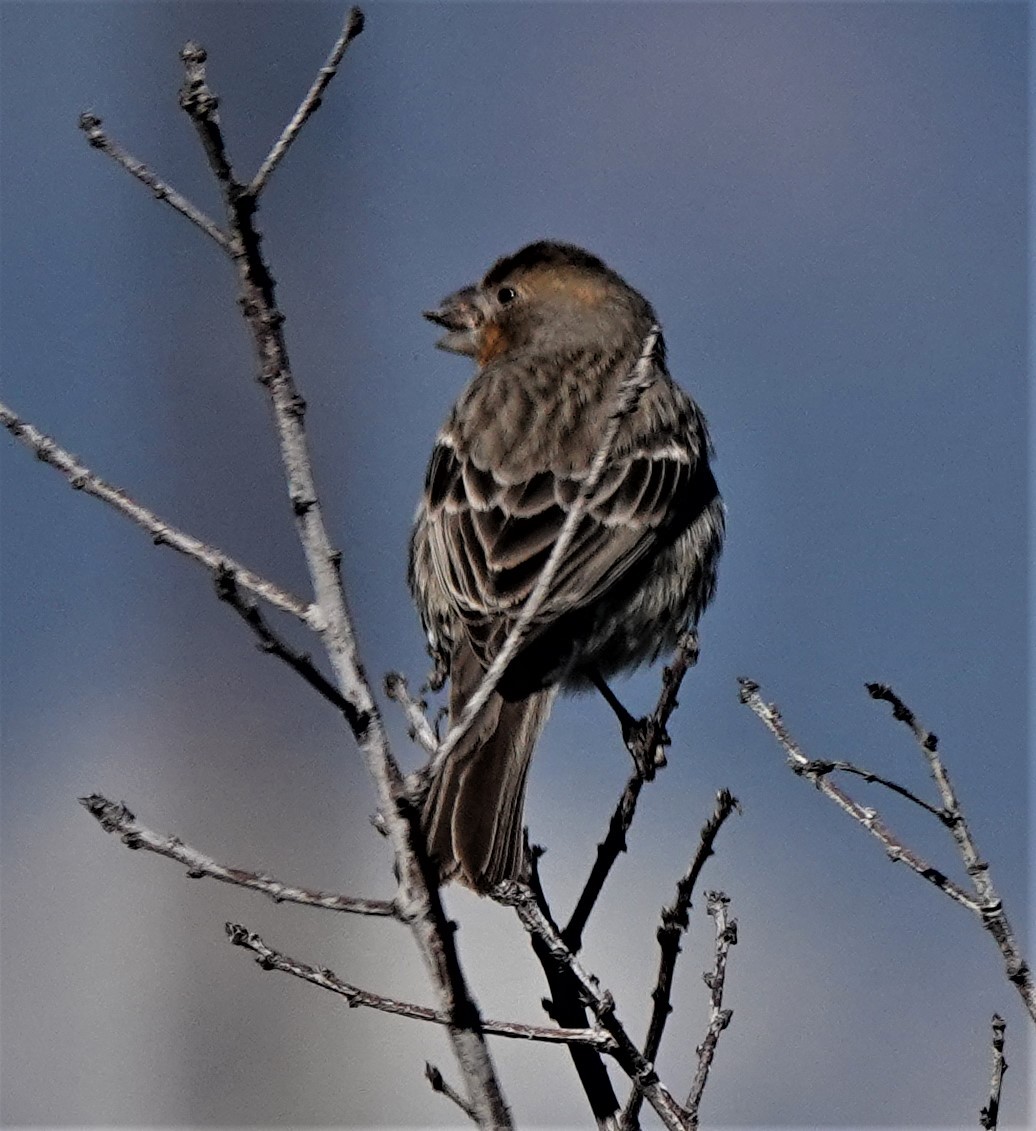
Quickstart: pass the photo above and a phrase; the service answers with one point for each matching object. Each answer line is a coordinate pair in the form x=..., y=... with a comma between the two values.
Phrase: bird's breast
x=520, y=420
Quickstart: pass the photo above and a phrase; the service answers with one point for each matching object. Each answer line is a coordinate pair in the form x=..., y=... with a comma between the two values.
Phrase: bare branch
x=270, y=959
x=439, y=1084
x=990, y=1114
x=990, y=907
x=566, y=1007
x=629, y=1058
x=608, y=851
x=674, y=924
x=114, y=817
x=353, y=27
x=719, y=1018
x=868, y=818
x=824, y=767
x=675, y=921
x=269, y=641
x=90, y=124
x=419, y=895
x=627, y=397
x=420, y=729
x=200, y=105
x=985, y=902
x=652, y=737
x=162, y=533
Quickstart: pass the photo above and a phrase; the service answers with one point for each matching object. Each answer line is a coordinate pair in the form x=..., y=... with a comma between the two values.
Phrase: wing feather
x=489, y=539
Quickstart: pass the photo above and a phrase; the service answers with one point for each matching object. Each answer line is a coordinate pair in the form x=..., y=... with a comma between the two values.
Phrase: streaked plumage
x=555, y=332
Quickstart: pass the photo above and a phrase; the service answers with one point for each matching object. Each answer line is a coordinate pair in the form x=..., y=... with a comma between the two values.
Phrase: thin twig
x=162, y=533
x=990, y=908
x=269, y=641
x=90, y=124
x=821, y=766
x=719, y=1018
x=440, y=1085
x=627, y=397
x=653, y=736
x=353, y=27
x=420, y=728
x=629, y=1058
x=566, y=1007
x=419, y=894
x=868, y=818
x=270, y=959
x=991, y=1112
x=200, y=105
x=674, y=923
x=608, y=851
x=114, y=817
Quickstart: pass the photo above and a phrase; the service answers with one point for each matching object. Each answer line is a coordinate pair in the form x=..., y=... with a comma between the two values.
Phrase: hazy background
x=827, y=205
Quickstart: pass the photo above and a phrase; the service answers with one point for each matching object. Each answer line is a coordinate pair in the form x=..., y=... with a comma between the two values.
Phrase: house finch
x=554, y=332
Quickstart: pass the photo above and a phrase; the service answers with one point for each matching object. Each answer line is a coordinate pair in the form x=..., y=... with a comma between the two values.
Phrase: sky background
x=826, y=203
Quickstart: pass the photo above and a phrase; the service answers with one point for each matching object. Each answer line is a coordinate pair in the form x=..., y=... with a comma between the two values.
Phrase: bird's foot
x=645, y=738
x=646, y=741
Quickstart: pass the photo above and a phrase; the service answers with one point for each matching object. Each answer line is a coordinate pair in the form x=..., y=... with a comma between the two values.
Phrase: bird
x=553, y=332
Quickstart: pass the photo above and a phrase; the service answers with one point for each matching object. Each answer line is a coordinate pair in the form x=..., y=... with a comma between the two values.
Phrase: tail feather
x=474, y=809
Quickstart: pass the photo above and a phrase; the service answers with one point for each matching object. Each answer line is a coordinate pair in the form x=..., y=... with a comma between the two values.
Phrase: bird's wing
x=488, y=539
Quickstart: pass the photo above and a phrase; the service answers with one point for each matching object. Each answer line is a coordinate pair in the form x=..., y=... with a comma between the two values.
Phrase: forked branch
x=328, y=615
x=601, y=1004
x=675, y=920
x=983, y=900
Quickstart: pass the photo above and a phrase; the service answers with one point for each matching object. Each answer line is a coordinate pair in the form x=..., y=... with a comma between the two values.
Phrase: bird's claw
x=646, y=741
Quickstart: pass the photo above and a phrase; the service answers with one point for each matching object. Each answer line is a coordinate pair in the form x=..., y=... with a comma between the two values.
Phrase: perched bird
x=554, y=332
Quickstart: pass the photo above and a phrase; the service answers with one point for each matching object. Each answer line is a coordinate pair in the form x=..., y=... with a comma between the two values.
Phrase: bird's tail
x=473, y=810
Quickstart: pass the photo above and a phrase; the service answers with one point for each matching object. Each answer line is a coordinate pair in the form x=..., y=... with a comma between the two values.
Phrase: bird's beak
x=461, y=315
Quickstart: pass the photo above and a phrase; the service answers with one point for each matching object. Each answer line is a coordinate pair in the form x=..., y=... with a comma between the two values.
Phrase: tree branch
x=270, y=959
x=652, y=735
x=90, y=124
x=674, y=924
x=719, y=1018
x=868, y=818
x=114, y=817
x=440, y=1085
x=419, y=893
x=990, y=1114
x=269, y=641
x=822, y=766
x=420, y=729
x=990, y=908
x=353, y=27
x=566, y=1007
x=162, y=533
x=601, y=1003
x=985, y=902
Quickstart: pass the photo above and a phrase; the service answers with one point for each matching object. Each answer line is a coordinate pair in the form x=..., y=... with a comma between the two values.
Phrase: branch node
x=90, y=124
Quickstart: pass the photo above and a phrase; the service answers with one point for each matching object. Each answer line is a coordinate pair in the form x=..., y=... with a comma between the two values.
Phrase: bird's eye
x=506, y=295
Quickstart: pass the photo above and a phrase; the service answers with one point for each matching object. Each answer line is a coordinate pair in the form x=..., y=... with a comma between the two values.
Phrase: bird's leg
x=637, y=734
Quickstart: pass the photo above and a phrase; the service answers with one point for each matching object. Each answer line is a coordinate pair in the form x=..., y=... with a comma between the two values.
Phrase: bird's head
x=548, y=299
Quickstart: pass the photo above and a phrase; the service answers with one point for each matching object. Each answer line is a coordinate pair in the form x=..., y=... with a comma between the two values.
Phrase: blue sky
x=826, y=204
